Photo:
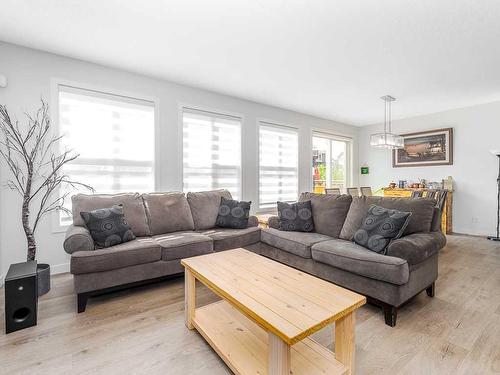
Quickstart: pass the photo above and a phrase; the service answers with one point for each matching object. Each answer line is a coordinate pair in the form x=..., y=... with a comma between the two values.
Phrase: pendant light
x=387, y=139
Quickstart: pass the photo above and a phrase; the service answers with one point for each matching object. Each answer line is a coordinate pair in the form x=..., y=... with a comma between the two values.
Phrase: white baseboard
x=59, y=268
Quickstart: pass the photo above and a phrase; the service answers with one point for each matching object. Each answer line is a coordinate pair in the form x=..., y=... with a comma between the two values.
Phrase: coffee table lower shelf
x=242, y=344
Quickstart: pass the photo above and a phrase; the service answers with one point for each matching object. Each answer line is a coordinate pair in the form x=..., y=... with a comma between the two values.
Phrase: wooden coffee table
x=267, y=313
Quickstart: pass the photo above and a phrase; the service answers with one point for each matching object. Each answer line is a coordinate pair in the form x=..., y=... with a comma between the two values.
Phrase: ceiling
x=329, y=58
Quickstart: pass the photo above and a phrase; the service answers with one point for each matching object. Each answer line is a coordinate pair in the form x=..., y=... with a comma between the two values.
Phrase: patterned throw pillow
x=379, y=227
x=233, y=214
x=296, y=217
x=108, y=226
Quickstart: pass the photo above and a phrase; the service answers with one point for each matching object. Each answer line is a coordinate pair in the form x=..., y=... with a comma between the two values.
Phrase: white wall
x=476, y=131
x=29, y=73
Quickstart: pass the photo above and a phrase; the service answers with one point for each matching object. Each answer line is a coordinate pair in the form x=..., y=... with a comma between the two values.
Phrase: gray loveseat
x=168, y=226
x=409, y=267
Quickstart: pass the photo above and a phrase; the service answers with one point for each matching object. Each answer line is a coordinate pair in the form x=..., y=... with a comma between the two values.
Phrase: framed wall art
x=432, y=147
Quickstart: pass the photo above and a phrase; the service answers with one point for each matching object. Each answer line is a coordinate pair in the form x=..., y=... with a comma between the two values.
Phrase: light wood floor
x=142, y=331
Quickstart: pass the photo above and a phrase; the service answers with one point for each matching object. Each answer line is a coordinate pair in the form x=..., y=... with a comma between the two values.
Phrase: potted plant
x=32, y=155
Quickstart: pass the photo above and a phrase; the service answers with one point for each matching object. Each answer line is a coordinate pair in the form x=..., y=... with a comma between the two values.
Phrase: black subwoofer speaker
x=21, y=296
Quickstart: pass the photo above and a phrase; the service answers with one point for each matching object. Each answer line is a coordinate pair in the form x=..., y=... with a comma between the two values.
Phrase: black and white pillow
x=296, y=217
x=233, y=214
x=380, y=226
x=108, y=226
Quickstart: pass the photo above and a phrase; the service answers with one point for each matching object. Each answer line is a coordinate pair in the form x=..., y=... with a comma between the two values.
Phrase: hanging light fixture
x=387, y=139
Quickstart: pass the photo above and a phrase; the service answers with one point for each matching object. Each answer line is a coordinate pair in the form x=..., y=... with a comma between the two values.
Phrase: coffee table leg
x=189, y=297
x=279, y=356
x=344, y=340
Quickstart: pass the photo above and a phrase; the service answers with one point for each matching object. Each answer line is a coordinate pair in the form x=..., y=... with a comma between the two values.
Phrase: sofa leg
x=82, y=301
x=431, y=290
x=390, y=314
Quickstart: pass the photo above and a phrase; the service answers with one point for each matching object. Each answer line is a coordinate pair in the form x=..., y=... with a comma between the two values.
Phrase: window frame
x=328, y=134
x=278, y=125
x=55, y=83
x=216, y=111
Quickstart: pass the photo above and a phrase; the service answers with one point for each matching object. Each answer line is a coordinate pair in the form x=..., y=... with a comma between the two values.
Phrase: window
x=211, y=151
x=278, y=164
x=330, y=162
x=114, y=137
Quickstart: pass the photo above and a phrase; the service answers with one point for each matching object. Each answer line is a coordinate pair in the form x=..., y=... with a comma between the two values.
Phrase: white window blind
x=278, y=164
x=114, y=136
x=211, y=151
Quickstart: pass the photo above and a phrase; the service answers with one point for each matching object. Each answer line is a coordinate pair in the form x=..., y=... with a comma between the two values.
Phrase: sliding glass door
x=330, y=162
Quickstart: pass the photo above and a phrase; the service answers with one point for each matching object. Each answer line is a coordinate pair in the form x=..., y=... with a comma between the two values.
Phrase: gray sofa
x=168, y=226
x=409, y=266
x=172, y=226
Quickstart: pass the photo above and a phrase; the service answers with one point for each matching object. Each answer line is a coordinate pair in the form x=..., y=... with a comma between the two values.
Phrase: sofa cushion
x=138, y=251
x=168, y=212
x=350, y=257
x=298, y=243
x=233, y=214
x=205, y=207
x=183, y=245
x=133, y=209
x=436, y=220
x=422, y=210
x=380, y=227
x=329, y=212
x=295, y=217
x=225, y=238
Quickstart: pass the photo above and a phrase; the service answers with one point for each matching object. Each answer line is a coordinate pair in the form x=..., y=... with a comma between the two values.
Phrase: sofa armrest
x=78, y=239
x=253, y=221
x=274, y=222
x=417, y=247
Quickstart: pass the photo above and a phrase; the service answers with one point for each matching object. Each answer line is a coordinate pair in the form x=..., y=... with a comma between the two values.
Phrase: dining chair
x=366, y=191
x=417, y=194
x=441, y=199
x=353, y=191
x=332, y=191
x=441, y=196
x=431, y=194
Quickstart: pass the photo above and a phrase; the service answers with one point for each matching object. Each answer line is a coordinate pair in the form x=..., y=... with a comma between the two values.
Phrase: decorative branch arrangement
x=36, y=165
